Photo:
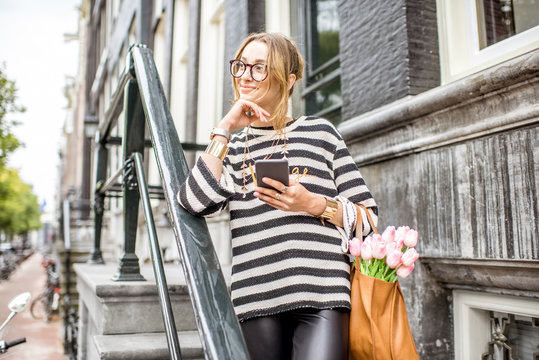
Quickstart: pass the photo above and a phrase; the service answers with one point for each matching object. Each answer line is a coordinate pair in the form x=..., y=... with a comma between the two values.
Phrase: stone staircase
x=122, y=320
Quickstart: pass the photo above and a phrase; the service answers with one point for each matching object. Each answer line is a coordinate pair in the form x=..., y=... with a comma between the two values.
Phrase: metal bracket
x=129, y=176
x=499, y=326
x=129, y=64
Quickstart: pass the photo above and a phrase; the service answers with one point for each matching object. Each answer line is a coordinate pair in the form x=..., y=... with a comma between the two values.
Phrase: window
x=495, y=327
x=322, y=87
x=501, y=19
x=475, y=35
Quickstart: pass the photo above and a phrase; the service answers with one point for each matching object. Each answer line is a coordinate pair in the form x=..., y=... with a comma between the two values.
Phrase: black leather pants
x=302, y=334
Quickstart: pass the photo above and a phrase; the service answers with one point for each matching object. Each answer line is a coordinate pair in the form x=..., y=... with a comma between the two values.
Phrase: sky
x=34, y=54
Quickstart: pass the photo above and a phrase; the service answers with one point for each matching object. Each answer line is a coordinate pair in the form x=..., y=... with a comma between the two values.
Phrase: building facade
x=438, y=102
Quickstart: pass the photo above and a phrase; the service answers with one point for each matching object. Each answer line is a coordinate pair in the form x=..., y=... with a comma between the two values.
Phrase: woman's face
x=260, y=92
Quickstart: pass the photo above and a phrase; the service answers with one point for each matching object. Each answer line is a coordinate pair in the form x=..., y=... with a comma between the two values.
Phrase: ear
x=291, y=81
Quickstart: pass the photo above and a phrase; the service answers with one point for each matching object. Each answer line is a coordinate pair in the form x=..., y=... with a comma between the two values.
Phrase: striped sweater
x=282, y=260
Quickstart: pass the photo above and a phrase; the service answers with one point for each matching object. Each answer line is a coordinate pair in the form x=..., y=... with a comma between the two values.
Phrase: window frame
x=460, y=41
x=301, y=24
x=471, y=320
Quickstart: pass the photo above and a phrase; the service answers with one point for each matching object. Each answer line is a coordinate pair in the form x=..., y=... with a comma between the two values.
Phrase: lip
x=247, y=88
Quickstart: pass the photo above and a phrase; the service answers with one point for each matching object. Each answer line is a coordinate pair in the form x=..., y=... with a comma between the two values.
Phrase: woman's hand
x=237, y=118
x=294, y=198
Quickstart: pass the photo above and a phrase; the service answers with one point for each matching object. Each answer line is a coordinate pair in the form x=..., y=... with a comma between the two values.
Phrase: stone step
x=127, y=307
x=111, y=311
x=146, y=346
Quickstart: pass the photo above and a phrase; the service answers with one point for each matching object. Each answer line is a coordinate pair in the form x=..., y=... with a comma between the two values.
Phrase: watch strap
x=219, y=131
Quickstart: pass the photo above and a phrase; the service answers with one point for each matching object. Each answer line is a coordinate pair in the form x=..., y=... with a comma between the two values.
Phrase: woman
x=290, y=275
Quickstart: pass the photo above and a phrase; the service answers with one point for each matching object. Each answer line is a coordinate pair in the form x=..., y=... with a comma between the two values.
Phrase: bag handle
x=371, y=222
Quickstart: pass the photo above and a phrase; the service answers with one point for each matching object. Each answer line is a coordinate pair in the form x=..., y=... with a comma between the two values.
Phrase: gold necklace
x=247, y=151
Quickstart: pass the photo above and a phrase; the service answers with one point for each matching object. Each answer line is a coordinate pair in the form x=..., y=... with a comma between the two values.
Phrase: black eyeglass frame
x=245, y=65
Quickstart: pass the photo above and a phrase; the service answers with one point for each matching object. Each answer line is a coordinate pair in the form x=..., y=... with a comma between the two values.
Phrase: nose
x=247, y=73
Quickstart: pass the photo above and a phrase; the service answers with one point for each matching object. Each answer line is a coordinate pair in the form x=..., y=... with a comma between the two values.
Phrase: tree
x=8, y=97
x=19, y=208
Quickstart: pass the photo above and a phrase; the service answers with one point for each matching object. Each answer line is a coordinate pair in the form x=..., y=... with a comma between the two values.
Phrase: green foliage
x=19, y=207
x=8, y=96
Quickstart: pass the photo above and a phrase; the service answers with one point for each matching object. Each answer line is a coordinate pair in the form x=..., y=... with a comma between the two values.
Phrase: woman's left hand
x=294, y=198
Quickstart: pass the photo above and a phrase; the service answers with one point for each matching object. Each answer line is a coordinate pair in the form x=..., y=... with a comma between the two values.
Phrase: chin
x=249, y=96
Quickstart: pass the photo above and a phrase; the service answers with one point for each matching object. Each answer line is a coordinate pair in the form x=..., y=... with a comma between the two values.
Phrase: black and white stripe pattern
x=282, y=260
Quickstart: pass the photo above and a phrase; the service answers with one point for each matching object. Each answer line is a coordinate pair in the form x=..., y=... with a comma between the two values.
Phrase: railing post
x=67, y=264
x=101, y=164
x=133, y=141
x=157, y=261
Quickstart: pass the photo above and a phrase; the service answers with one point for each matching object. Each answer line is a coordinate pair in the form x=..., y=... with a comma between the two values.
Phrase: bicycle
x=16, y=305
x=46, y=305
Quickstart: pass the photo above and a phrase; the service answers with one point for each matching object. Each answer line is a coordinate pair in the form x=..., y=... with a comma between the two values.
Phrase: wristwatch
x=219, y=131
x=331, y=209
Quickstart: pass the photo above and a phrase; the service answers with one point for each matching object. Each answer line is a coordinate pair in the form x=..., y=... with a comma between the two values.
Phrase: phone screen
x=276, y=169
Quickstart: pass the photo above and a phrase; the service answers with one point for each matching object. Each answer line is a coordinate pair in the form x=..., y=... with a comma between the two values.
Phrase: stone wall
x=389, y=50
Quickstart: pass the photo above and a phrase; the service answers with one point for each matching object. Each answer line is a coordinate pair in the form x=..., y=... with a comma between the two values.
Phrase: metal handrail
x=101, y=188
x=115, y=107
x=145, y=104
x=69, y=341
x=157, y=262
x=218, y=325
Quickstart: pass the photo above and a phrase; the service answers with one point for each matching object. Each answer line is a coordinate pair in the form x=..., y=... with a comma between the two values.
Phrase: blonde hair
x=283, y=59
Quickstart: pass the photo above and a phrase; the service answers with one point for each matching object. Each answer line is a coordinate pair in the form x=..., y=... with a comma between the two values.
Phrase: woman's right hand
x=236, y=118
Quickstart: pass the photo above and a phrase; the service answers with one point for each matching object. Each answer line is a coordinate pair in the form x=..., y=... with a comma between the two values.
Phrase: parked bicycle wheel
x=38, y=307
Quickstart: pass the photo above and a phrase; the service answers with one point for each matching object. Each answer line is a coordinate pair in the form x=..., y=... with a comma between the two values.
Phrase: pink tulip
x=392, y=246
x=355, y=247
x=400, y=234
x=366, y=249
x=404, y=271
x=393, y=259
x=389, y=234
x=409, y=257
x=410, y=239
x=378, y=247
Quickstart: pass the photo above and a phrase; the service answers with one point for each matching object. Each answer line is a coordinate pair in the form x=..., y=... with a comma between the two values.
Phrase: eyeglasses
x=258, y=70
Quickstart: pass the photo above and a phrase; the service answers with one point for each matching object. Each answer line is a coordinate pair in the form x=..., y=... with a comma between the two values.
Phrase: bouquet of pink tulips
x=386, y=256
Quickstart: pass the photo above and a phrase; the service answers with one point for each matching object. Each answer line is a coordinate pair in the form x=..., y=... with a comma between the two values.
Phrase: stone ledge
x=496, y=100
x=516, y=277
x=99, y=278
x=518, y=70
x=146, y=346
x=125, y=307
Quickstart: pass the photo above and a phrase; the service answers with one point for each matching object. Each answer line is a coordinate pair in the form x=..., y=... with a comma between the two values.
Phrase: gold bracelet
x=218, y=149
x=331, y=209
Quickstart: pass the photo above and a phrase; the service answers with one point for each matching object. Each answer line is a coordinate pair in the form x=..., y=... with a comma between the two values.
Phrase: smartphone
x=276, y=169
